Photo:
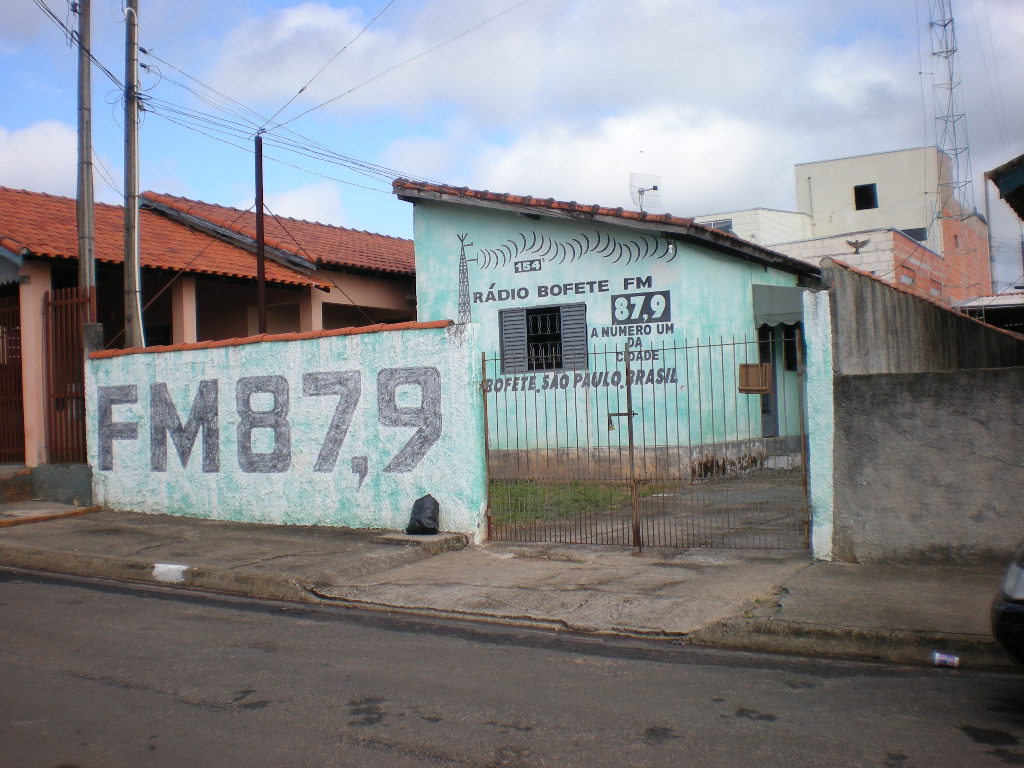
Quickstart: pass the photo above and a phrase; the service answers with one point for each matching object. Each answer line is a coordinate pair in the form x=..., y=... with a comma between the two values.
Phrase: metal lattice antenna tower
x=465, y=310
x=956, y=194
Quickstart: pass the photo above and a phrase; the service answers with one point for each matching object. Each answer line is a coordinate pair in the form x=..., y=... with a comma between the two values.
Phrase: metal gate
x=696, y=445
x=67, y=309
x=12, y=414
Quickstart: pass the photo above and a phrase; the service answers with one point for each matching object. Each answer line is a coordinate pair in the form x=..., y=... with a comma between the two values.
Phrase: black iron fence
x=696, y=445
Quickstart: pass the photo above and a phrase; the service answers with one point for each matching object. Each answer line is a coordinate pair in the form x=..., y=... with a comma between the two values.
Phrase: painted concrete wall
x=35, y=277
x=641, y=292
x=825, y=191
x=330, y=428
x=882, y=330
x=876, y=256
x=820, y=420
x=929, y=466
x=765, y=226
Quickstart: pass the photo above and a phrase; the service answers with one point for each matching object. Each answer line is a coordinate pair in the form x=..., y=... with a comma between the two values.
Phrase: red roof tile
x=684, y=226
x=549, y=203
x=37, y=224
x=323, y=244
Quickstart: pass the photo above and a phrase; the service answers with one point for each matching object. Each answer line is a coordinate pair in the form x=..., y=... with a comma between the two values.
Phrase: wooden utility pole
x=132, y=278
x=261, y=277
x=84, y=199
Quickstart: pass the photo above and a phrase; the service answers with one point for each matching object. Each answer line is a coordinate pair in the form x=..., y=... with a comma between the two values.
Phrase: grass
x=519, y=501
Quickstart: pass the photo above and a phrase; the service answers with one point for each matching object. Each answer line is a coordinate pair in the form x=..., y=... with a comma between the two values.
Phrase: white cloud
x=698, y=156
x=18, y=23
x=41, y=157
x=313, y=202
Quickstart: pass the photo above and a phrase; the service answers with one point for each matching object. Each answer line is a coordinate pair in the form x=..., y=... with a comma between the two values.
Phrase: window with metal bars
x=551, y=338
x=544, y=339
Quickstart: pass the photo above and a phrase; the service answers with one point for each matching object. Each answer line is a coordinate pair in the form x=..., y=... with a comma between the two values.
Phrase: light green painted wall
x=710, y=300
x=366, y=487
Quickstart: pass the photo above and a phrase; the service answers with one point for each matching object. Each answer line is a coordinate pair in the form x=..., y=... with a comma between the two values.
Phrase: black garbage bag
x=423, y=520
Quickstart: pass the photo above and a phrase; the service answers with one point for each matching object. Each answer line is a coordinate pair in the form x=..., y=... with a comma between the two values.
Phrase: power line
x=328, y=63
x=248, y=149
x=179, y=273
x=407, y=61
x=72, y=36
x=105, y=175
x=326, y=273
x=239, y=110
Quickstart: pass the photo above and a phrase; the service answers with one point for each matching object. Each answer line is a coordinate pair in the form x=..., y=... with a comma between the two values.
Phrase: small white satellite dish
x=645, y=191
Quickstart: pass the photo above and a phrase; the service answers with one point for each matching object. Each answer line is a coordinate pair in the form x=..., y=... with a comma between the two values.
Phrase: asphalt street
x=101, y=674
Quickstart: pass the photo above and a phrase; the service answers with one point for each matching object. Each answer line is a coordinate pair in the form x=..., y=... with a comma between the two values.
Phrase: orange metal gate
x=12, y=416
x=67, y=309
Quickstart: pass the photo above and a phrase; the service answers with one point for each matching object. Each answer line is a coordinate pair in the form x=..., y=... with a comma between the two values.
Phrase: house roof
x=1009, y=179
x=295, y=239
x=44, y=226
x=999, y=300
x=676, y=227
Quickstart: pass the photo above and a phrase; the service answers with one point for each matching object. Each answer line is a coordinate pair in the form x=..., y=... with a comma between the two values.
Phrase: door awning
x=777, y=305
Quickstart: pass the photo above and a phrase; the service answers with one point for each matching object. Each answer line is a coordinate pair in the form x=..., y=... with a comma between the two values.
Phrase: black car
x=1008, y=609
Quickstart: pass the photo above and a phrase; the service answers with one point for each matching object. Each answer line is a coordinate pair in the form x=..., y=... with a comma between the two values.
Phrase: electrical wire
x=287, y=139
x=248, y=149
x=178, y=274
x=328, y=63
x=419, y=55
x=72, y=36
x=105, y=174
x=325, y=273
x=994, y=83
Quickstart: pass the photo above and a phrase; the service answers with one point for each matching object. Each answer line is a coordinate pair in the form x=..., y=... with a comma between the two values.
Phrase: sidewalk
x=753, y=600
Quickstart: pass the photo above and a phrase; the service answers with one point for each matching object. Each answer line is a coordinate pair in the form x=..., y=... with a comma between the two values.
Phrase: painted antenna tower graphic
x=465, y=310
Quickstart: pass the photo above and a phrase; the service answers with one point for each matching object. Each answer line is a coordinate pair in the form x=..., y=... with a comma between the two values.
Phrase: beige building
x=892, y=214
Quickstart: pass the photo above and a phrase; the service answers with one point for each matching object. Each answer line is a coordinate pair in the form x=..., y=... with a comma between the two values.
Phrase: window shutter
x=574, y=337
x=512, y=336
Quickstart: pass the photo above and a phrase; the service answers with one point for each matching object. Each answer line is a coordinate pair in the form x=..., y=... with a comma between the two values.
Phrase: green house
x=608, y=329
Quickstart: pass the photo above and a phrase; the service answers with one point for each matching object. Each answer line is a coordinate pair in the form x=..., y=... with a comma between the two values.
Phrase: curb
x=897, y=646
x=44, y=518
x=253, y=584
x=754, y=635
x=246, y=583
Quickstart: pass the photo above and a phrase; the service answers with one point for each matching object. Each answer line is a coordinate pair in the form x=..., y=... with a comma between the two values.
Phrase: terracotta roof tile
x=37, y=224
x=323, y=244
x=683, y=225
x=556, y=205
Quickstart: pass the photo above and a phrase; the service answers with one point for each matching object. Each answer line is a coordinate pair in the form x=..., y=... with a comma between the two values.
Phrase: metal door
x=12, y=414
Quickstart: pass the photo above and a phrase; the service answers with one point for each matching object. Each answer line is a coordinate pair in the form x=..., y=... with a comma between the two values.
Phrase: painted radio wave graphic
x=533, y=245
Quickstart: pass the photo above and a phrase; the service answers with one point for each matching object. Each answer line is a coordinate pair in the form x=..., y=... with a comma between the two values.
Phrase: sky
x=549, y=98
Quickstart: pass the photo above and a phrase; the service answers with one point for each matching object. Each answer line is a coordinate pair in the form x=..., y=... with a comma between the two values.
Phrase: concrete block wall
x=928, y=466
x=879, y=328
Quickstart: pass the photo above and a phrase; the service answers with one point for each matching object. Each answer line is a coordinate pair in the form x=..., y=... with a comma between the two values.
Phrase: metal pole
x=132, y=278
x=84, y=199
x=261, y=277
x=634, y=500
x=487, y=442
